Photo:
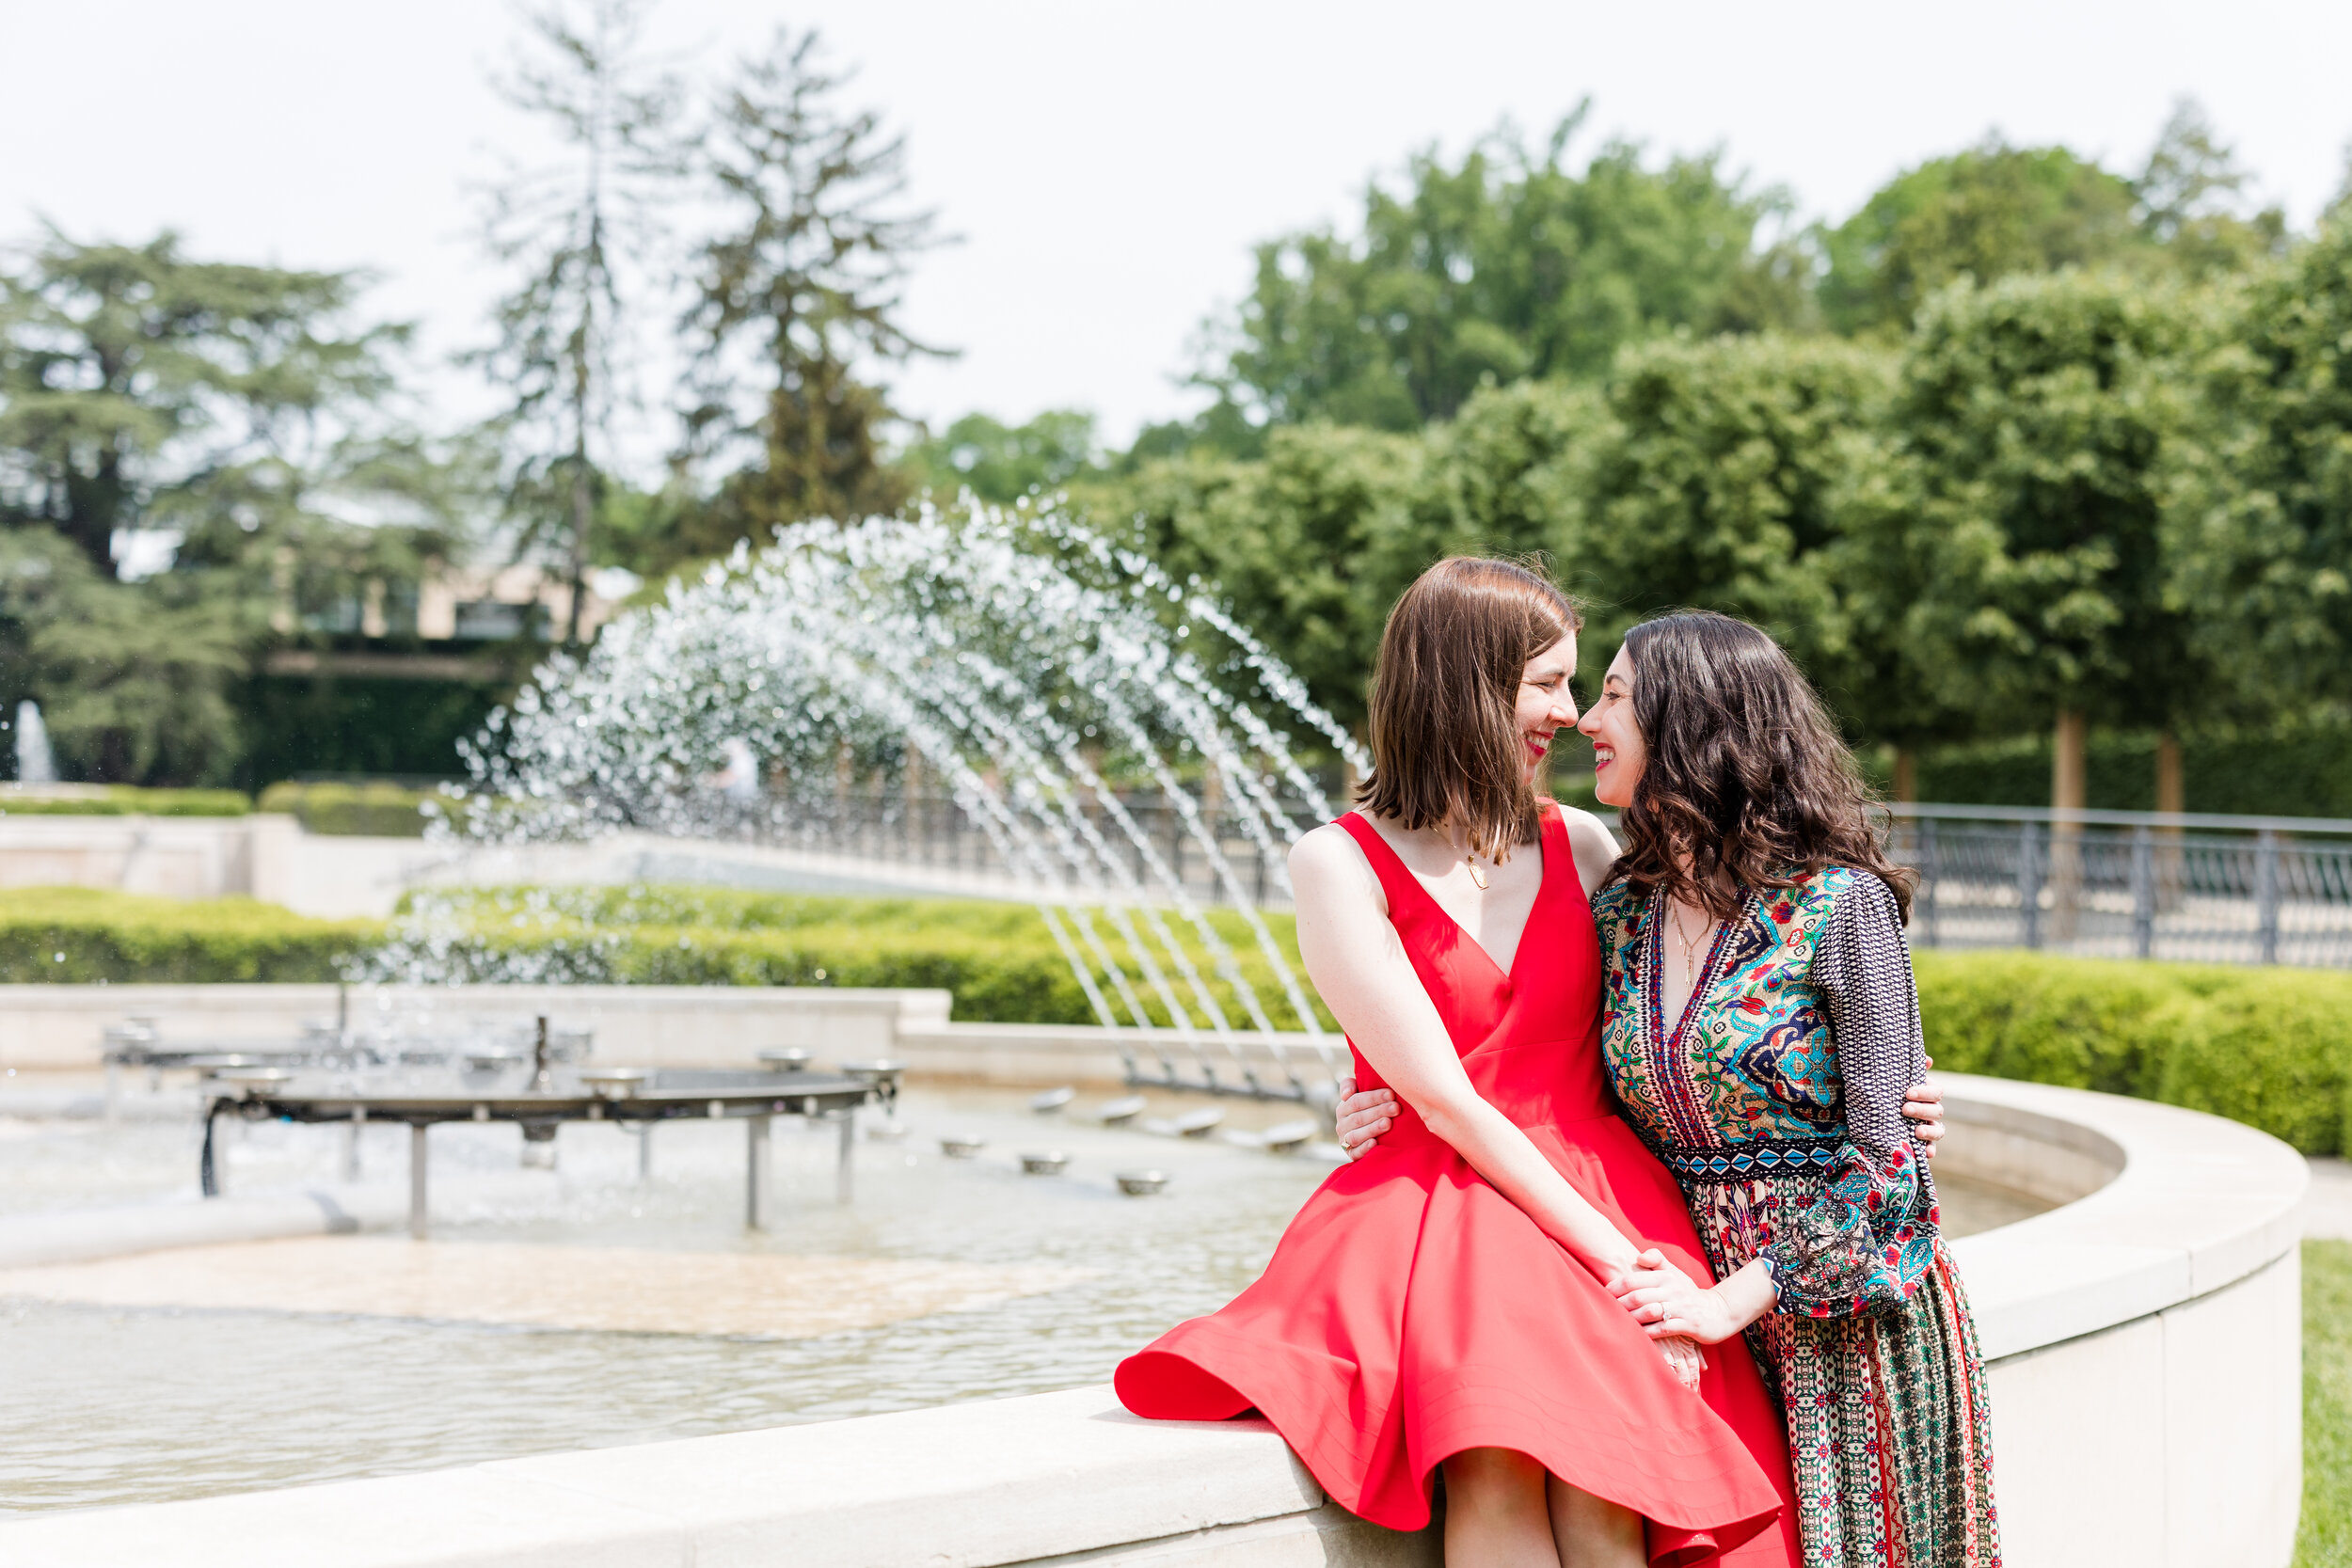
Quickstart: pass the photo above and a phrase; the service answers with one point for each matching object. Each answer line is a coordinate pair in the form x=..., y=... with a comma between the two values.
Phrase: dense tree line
x=2023, y=444
x=2061, y=499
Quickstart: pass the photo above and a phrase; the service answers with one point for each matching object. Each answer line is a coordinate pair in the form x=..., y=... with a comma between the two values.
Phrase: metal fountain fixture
x=552, y=1095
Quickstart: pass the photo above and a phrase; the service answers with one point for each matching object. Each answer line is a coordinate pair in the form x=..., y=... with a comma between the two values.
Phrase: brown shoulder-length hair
x=1445, y=742
x=1745, y=776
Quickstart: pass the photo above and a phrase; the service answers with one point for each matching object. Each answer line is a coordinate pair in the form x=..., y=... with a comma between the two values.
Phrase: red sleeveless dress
x=1412, y=1311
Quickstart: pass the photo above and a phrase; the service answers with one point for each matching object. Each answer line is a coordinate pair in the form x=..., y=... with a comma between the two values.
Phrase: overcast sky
x=1106, y=165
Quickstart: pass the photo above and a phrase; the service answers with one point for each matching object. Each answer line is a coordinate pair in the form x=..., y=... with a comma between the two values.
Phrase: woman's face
x=1545, y=708
x=1618, y=753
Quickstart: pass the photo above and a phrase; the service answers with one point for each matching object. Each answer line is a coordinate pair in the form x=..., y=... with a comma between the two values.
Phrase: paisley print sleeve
x=1866, y=1241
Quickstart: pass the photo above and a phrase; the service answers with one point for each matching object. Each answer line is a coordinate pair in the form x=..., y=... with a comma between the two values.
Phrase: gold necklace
x=1469, y=858
x=1689, y=944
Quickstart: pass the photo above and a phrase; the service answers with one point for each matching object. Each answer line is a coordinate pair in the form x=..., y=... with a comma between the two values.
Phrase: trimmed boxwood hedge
x=2271, y=1048
x=127, y=800
x=2268, y=1047
x=998, y=958
x=81, y=936
x=377, y=809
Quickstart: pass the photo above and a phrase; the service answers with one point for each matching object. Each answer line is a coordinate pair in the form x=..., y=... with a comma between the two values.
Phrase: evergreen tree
x=231, y=414
x=2190, y=199
x=585, y=236
x=143, y=390
x=797, y=294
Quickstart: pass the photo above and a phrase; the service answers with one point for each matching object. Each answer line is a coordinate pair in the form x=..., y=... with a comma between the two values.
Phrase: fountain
x=1039, y=671
x=36, y=761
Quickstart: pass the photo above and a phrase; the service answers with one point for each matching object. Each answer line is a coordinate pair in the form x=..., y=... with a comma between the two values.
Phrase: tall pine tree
x=797, y=299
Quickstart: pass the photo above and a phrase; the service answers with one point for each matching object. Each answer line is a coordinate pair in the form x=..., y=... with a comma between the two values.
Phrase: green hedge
x=81, y=936
x=2271, y=1048
x=378, y=810
x=127, y=800
x=998, y=958
x=2268, y=1047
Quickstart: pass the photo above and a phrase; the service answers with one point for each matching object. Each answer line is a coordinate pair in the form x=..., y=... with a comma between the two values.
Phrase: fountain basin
x=2142, y=1340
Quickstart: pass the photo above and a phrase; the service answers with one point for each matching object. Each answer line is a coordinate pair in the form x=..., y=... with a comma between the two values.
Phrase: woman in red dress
x=1444, y=1302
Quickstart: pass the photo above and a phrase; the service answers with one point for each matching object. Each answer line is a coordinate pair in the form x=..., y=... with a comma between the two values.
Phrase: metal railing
x=2260, y=890
x=930, y=831
x=2264, y=890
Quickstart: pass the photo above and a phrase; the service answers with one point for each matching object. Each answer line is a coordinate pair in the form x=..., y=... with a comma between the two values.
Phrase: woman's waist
x=1756, y=1159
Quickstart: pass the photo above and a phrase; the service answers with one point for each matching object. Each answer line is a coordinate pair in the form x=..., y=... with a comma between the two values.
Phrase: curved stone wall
x=2146, y=1339
x=2145, y=1350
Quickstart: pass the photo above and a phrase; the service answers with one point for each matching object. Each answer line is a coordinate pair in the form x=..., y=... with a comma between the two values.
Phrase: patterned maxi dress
x=1776, y=1100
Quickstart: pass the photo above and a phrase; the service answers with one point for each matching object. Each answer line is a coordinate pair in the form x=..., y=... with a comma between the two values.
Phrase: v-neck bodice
x=1549, y=999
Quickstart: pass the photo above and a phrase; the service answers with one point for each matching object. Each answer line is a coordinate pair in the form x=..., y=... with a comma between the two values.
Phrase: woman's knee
x=1491, y=1472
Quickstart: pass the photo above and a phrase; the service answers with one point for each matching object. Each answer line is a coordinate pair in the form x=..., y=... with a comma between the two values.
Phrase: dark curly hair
x=1745, y=776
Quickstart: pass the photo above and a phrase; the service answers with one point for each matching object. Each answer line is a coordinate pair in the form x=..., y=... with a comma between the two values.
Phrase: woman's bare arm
x=1354, y=958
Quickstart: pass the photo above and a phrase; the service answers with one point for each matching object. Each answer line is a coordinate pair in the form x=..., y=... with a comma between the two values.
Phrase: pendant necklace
x=1689, y=944
x=1469, y=858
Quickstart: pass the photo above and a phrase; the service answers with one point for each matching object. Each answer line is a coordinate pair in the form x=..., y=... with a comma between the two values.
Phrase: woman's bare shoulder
x=1591, y=842
x=1329, y=860
x=1585, y=827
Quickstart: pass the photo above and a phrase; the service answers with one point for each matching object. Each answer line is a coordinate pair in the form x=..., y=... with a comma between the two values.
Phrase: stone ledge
x=2199, y=1203
x=959, y=1486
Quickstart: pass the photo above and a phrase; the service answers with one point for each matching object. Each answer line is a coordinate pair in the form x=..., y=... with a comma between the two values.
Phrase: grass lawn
x=2325, y=1541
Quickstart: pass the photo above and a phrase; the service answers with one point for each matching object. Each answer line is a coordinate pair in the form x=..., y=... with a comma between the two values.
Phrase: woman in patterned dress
x=1761, y=1024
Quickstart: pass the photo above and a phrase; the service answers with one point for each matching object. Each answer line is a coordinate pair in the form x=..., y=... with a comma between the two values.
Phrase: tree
x=1710, y=488
x=142, y=389
x=2262, y=532
x=1306, y=544
x=579, y=232
x=1503, y=477
x=1504, y=267
x=1003, y=462
x=2189, y=197
x=1314, y=542
x=134, y=679
x=231, y=412
x=2040, y=421
x=1986, y=213
x=797, y=294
